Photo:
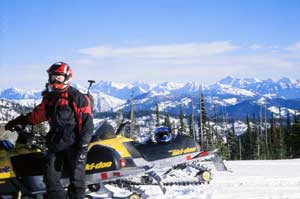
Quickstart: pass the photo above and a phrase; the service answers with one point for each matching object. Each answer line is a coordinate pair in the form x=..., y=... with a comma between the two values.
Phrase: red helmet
x=60, y=68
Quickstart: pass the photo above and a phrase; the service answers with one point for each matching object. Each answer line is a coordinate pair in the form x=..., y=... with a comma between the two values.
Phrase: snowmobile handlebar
x=19, y=128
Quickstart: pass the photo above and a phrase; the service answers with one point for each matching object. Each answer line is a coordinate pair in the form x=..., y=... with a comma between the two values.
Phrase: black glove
x=25, y=138
x=20, y=120
x=81, y=154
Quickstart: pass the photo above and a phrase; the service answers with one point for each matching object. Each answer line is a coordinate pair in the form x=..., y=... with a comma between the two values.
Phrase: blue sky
x=152, y=41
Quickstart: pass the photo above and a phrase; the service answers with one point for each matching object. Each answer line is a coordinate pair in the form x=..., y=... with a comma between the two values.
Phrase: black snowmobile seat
x=156, y=151
x=31, y=164
x=104, y=131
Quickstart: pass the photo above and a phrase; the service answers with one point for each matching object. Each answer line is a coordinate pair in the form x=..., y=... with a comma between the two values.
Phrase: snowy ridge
x=234, y=93
x=231, y=101
x=226, y=89
x=104, y=102
x=10, y=110
x=281, y=111
x=15, y=94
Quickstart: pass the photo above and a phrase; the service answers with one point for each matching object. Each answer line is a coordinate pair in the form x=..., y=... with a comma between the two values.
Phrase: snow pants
x=66, y=160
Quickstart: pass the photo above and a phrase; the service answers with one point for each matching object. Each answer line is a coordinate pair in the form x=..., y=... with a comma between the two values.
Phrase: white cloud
x=207, y=69
x=203, y=62
x=161, y=51
x=83, y=61
x=255, y=46
x=294, y=47
x=274, y=47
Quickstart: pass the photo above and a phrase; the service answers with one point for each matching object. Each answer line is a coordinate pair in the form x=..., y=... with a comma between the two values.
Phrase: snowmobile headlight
x=206, y=176
x=135, y=196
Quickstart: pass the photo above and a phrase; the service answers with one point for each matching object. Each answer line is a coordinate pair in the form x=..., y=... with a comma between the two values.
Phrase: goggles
x=57, y=78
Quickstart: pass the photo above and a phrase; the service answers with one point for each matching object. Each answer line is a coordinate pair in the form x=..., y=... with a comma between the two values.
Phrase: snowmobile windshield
x=163, y=134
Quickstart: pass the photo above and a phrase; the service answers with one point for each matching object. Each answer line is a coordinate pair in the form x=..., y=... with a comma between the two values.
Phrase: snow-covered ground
x=270, y=179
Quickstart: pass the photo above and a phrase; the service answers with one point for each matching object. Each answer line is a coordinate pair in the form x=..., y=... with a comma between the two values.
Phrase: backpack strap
x=71, y=100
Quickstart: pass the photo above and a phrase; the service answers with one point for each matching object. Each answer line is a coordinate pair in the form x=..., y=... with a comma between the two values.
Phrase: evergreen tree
x=275, y=145
x=203, y=111
x=119, y=117
x=215, y=135
x=202, y=122
x=190, y=122
x=259, y=146
x=208, y=136
x=222, y=149
x=233, y=143
x=157, y=114
x=167, y=122
x=282, y=148
x=247, y=142
x=182, y=128
x=174, y=129
x=178, y=128
x=240, y=147
x=256, y=147
x=294, y=138
x=263, y=139
x=287, y=134
x=200, y=125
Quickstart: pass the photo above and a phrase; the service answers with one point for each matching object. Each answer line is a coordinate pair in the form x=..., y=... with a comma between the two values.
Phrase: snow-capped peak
x=167, y=86
x=113, y=84
x=15, y=93
x=286, y=80
x=144, y=85
x=235, y=91
x=227, y=80
x=237, y=82
x=106, y=102
x=171, y=85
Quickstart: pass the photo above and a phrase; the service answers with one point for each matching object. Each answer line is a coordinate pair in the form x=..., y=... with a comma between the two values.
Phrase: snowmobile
x=112, y=159
x=21, y=170
x=159, y=158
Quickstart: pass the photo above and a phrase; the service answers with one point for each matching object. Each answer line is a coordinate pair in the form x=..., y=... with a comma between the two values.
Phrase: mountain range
x=236, y=97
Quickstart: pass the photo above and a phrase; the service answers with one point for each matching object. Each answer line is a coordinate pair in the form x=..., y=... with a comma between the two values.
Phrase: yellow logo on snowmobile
x=175, y=152
x=99, y=165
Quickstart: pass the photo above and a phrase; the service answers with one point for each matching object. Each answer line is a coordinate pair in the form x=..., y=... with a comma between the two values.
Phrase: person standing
x=69, y=114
